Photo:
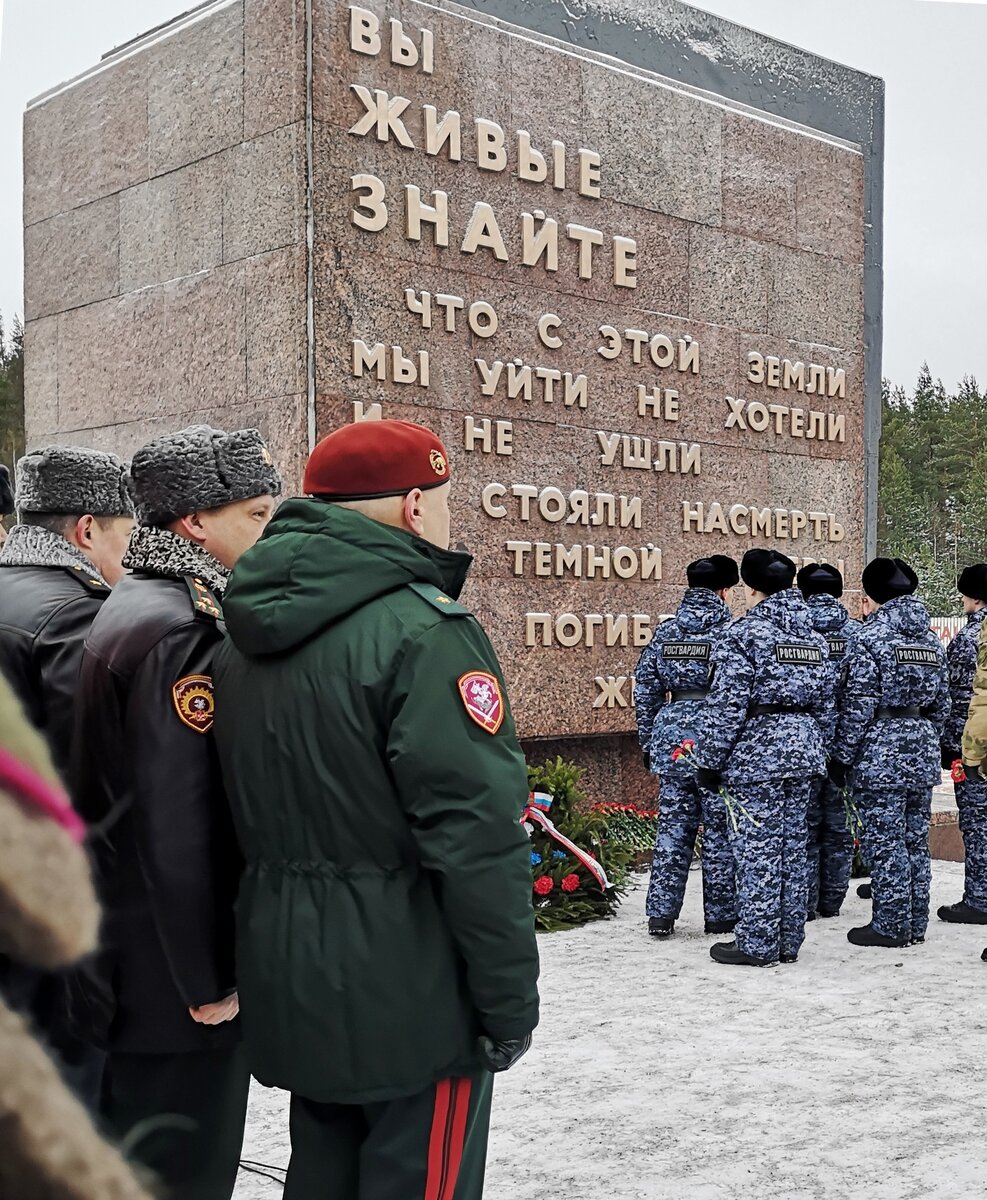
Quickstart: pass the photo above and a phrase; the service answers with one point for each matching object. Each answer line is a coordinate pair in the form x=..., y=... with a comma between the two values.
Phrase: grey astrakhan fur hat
x=200, y=468
x=73, y=480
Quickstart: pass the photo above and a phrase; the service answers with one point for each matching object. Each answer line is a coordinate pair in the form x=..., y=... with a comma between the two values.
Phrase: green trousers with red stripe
x=430, y=1146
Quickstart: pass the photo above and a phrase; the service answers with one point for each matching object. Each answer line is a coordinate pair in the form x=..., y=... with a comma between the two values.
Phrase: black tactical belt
x=689, y=694
x=773, y=710
x=886, y=711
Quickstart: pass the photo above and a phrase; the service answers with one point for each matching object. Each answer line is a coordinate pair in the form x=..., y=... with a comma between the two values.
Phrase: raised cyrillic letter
x=547, y=325
x=836, y=431
x=383, y=114
x=531, y=163
x=519, y=379
x=736, y=414
x=437, y=133
x=417, y=213
x=482, y=319
x=609, y=444
x=369, y=358
x=525, y=493
x=364, y=31
x=483, y=230
x=568, y=629
x=755, y=367
x=491, y=154
x=587, y=239
x=544, y=243
x=836, y=382
x=538, y=629
x=758, y=416
x=662, y=350
x=491, y=494
x=630, y=512
x=371, y=211
x=613, y=337
x=624, y=262
x=589, y=174
x=490, y=374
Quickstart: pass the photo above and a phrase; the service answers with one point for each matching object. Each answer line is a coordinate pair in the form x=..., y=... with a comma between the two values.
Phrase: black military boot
x=867, y=935
x=661, y=927
x=983, y=956
x=828, y=912
x=864, y=892
x=720, y=926
x=962, y=914
x=731, y=954
x=789, y=958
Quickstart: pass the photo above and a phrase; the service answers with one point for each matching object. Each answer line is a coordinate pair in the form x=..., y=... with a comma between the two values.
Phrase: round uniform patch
x=483, y=699
x=194, y=702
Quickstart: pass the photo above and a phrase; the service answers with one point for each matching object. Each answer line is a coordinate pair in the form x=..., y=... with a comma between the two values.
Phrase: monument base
x=614, y=771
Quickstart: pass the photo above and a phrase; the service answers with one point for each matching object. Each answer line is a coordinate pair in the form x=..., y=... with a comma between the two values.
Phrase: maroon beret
x=371, y=459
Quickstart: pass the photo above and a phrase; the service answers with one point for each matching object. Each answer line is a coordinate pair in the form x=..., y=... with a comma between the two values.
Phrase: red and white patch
x=483, y=699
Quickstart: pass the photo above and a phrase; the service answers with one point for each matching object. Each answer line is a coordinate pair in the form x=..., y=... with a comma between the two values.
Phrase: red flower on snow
x=570, y=883
x=543, y=885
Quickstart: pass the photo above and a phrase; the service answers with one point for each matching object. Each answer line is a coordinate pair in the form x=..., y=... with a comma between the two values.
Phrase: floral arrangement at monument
x=631, y=825
x=578, y=868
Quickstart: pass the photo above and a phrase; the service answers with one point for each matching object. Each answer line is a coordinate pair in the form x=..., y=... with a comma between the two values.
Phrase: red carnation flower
x=570, y=883
x=958, y=771
x=688, y=744
x=543, y=885
x=677, y=753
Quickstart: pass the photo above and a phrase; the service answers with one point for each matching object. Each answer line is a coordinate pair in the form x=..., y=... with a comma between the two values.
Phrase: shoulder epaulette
x=438, y=599
x=91, y=581
x=204, y=599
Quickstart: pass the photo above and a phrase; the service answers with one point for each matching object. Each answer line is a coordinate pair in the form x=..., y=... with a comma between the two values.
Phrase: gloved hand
x=712, y=781
x=646, y=759
x=838, y=773
x=948, y=758
x=501, y=1056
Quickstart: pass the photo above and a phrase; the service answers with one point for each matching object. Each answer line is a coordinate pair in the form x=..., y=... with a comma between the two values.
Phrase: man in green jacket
x=386, y=954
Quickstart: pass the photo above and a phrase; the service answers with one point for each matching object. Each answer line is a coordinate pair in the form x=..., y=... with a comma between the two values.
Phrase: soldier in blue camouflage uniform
x=764, y=736
x=971, y=793
x=830, y=849
x=671, y=684
x=893, y=712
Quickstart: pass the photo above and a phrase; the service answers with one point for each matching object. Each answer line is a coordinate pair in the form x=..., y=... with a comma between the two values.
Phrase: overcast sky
x=929, y=52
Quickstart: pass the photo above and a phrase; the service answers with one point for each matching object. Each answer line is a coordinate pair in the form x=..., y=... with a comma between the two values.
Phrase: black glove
x=948, y=758
x=501, y=1056
x=646, y=759
x=712, y=781
x=838, y=773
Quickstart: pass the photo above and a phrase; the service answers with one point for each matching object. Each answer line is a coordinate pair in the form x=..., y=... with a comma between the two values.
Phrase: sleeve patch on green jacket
x=445, y=604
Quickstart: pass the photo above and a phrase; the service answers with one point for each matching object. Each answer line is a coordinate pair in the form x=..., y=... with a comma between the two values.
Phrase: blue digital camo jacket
x=830, y=618
x=772, y=655
x=961, y=658
x=678, y=658
x=897, y=661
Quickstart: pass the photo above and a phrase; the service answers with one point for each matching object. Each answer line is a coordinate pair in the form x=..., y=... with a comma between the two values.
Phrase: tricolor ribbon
x=535, y=814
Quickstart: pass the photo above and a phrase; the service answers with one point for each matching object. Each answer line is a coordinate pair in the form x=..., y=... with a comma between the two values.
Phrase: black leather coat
x=146, y=777
x=45, y=615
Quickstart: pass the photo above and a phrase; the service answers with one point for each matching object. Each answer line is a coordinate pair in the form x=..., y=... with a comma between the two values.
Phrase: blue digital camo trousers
x=830, y=848
x=971, y=800
x=772, y=882
x=896, y=841
x=682, y=807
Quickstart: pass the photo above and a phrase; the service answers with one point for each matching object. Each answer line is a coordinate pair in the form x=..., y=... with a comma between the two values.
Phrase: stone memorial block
x=623, y=257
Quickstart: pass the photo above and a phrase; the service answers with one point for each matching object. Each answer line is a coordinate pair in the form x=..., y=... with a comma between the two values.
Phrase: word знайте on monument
x=557, y=247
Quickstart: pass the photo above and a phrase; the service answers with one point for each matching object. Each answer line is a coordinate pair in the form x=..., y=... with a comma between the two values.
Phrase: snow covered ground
x=857, y=1074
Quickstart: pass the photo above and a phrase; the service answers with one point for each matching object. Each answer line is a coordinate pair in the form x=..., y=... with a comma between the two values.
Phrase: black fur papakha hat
x=820, y=579
x=973, y=582
x=6, y=493
x=200, y=468
x=716, y=573
x=74, y=481
x=886, y=578
x=767, y=571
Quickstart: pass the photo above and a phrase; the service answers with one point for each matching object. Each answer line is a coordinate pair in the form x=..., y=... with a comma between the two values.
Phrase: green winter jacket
x=384, y=919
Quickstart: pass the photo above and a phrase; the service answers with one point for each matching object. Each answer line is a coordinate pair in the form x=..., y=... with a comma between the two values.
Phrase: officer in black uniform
x=56, y=569
x=161, y=997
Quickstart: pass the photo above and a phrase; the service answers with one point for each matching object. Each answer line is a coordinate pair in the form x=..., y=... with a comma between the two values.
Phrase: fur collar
x=32, y=546
x=156, y=551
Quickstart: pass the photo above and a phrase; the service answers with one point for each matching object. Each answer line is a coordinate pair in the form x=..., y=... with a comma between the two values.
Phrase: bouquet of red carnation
x=687, y=751
x=957, y=771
